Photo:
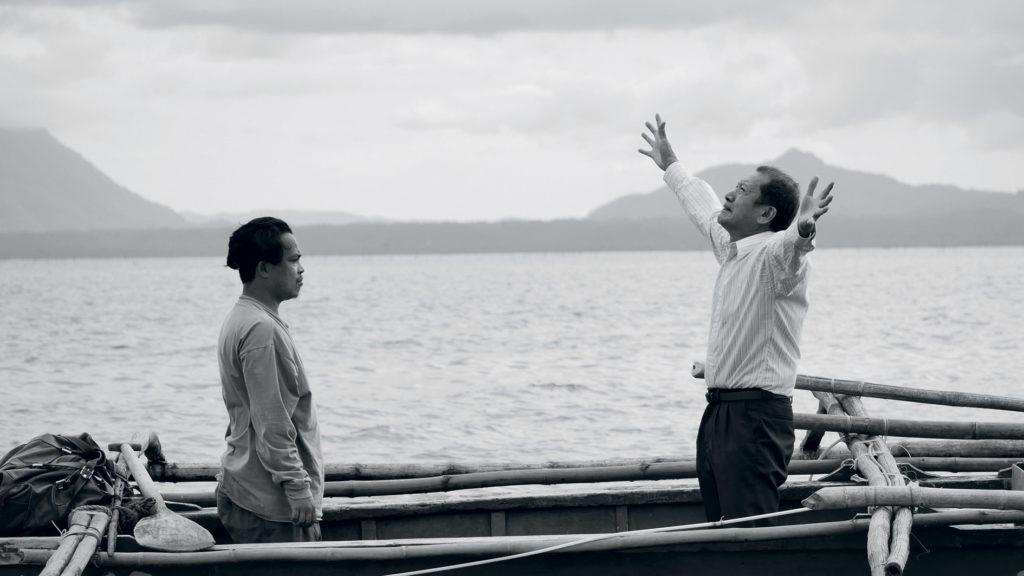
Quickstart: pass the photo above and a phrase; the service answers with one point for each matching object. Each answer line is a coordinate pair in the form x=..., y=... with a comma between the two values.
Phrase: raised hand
x=661, y=151
x=813, y=207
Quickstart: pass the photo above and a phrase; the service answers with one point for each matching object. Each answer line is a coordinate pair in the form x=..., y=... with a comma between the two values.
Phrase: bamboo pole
x=207, y=472
x=33, y=542
x=827, y=404
x=536, y=497
x=397, y=550
x=77, y=524
x=903, y=518
x=936, y=448
x=900, y=520
x=679, y=471
x=847, y=497
x=941, y=397
x=879, y=529
x=915, y=428
x=812, y=439
x=899, y=545
x=99, y=516
x=121, y=471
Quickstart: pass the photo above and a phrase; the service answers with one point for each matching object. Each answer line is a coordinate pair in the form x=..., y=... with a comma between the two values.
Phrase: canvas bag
x=44, y=479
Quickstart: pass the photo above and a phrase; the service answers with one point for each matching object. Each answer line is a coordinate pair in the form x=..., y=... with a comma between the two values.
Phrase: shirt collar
x=263, y=307
x=747, y=244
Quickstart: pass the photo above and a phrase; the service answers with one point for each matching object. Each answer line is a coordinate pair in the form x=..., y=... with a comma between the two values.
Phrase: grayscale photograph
x=496, y=287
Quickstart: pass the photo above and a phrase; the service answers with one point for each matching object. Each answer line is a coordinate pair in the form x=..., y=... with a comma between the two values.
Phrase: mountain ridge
x=55, y=204
x=46, y=186
x=858, y=194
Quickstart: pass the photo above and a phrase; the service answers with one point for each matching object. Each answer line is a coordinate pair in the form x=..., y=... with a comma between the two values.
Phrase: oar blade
x=169, y=532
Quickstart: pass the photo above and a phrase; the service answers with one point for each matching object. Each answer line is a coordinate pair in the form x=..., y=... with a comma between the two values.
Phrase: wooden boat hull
x=938, y=551
x=392, y=534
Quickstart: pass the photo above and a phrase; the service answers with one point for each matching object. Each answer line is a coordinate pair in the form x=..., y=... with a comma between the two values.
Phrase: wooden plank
x=368, y=529
x=791, y=538
x=621, y=518
x=498, y=523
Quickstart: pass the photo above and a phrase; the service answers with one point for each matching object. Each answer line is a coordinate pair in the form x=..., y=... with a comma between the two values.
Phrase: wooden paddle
x=163, y=530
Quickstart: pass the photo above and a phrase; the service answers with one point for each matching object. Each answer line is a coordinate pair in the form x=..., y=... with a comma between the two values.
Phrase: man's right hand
x=303, y=511
x=661, y=151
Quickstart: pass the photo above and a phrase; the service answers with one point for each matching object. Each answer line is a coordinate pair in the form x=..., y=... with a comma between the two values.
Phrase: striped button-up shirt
x=760, y=299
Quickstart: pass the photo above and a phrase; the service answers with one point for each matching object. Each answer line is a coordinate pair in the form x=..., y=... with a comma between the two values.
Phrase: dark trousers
x=244, y=527
x=743, y=450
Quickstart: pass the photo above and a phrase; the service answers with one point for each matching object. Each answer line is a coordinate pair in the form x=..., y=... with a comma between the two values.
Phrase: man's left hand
x=813, y=207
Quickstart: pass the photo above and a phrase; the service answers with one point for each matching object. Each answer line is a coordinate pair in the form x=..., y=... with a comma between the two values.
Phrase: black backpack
x=44, y=479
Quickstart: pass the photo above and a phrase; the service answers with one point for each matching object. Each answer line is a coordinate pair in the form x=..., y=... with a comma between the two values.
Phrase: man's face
x=742, y=214
x=285, y=278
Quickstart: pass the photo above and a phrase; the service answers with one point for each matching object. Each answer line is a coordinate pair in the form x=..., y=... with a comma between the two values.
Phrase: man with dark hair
x=270, y=488
x=746, y=435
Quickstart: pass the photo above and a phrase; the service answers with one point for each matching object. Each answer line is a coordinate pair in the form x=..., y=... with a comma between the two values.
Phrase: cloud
x=449, y=16
x=191, y=102
x=938, y=62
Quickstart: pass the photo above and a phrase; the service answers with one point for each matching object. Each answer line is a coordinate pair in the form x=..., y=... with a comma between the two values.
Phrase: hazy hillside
x=858, y=194
x=513, y=236
x=55, y=204
x=292, y=217
x=46, y=186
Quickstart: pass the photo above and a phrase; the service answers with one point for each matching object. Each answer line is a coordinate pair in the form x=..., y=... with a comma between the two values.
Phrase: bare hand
x=812, y=208
x=303, y=511
x=661, y=151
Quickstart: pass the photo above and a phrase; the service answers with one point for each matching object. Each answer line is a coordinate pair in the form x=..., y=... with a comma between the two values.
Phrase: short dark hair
x=782, y=192
x=258, y=240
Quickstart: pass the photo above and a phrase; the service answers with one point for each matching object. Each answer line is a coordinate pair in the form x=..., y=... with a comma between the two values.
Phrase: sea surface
x=497, y=357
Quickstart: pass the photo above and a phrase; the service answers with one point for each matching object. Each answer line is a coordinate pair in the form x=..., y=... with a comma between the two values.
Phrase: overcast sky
x=488, y=109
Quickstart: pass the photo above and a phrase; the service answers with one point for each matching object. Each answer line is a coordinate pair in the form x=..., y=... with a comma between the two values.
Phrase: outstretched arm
x=696, y=196
x=813, y=207
x=787, y=251
x=661, y=151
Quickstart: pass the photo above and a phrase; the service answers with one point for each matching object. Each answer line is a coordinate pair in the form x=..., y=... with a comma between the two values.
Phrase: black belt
x=716, y=395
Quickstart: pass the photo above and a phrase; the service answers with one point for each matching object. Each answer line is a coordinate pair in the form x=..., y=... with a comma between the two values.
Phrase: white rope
x=824, y=453
x=678, y=528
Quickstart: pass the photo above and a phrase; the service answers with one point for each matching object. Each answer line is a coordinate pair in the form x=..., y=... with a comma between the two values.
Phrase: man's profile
x=270, y=488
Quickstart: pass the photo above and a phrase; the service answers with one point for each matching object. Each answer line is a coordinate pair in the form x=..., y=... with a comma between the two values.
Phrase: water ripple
x=485, y=357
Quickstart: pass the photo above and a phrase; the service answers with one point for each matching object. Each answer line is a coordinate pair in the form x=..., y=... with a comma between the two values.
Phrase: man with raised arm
x=270, y=487
x=761, y=237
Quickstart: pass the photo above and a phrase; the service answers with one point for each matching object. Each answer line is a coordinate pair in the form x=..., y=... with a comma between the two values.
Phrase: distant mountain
x=858, y=194
x=292, y=217
x=55, y=204
x=45, y=186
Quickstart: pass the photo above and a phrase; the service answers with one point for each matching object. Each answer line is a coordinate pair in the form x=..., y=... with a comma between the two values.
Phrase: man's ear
x=261, y=269
x=766, y=215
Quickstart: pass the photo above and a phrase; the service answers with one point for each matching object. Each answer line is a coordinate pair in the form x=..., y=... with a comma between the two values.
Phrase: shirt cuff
x=297, y=489
x=676, y=175
x=801, y=243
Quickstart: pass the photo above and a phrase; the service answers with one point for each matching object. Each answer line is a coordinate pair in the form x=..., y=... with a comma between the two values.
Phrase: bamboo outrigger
x=640, y=516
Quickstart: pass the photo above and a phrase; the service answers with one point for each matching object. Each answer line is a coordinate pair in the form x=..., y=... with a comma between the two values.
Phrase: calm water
x=513, y=357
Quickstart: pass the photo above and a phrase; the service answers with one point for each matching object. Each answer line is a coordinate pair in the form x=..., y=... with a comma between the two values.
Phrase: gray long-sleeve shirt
x=273, y=438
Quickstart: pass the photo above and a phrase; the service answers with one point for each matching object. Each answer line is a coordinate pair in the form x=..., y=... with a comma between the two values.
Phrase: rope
x=824, y=453
x=678, y=528
x=131, y=512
